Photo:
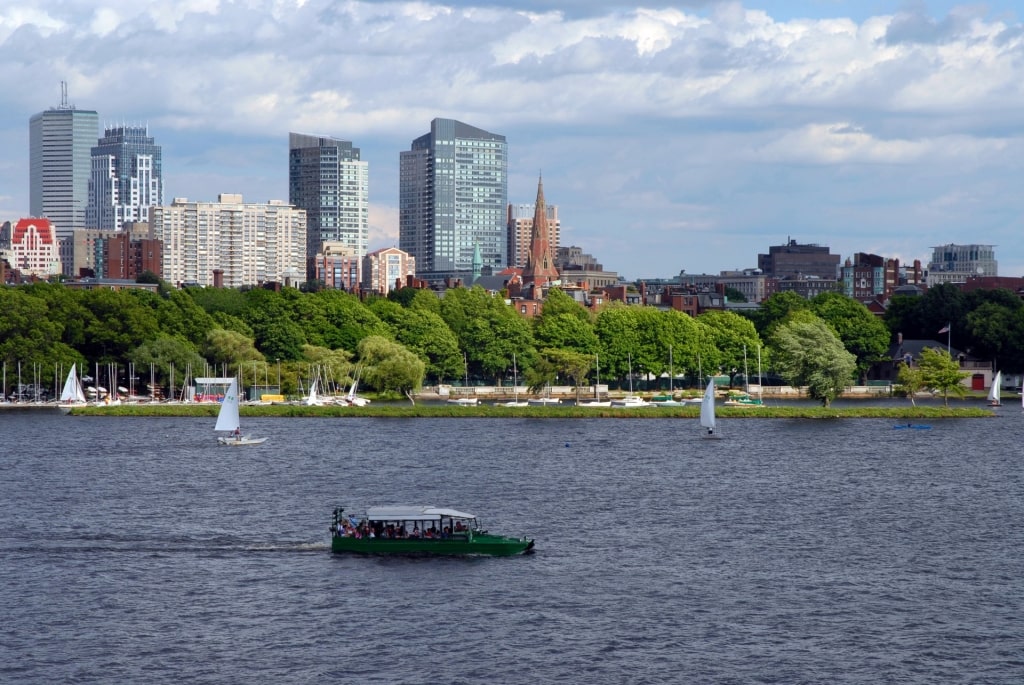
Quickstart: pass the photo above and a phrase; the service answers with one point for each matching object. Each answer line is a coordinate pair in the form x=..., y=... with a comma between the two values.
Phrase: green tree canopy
x=388, y=366
x=160, y=353
x=863, y=334
x=425, y=333
x=809, y=353
x=228, y=348
x=942, y=373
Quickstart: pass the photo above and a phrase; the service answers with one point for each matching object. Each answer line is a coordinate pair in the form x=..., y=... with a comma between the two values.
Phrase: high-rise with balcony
x=126, y=178
x=327, y=178
x=453, y=194
x=231, y=243
x=60, y=144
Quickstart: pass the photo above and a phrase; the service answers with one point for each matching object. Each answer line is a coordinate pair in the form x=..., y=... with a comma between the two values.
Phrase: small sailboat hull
x=243, y=440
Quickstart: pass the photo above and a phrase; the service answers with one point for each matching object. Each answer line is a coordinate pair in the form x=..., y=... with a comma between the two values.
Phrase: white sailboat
x=72, y=395
x=313, y=400
x=515, y=388
x=227, y=420
x=707, y=412
x=597, y=401
x=993, y=392
x=352, y=399
x=630, y=400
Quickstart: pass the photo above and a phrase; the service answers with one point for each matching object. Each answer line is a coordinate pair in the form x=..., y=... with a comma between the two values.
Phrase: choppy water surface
x=135, y=550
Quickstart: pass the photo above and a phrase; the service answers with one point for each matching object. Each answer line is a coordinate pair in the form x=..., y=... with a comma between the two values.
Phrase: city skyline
x=682, y=136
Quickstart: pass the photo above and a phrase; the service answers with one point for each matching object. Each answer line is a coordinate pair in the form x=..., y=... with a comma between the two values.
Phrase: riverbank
x=432, y=410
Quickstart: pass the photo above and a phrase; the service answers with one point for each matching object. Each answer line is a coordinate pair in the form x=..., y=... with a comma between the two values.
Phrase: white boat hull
x=244, y=440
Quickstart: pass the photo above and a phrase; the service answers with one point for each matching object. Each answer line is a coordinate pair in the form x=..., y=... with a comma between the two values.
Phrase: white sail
x=993, y=392
x=72, y=391
x=313, y=400
x=707, y=408
x=227, y=419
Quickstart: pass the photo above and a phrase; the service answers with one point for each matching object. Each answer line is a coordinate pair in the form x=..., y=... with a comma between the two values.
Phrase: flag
x=944, y=329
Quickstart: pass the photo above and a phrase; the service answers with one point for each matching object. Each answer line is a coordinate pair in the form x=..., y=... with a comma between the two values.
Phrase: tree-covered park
x=412, y=338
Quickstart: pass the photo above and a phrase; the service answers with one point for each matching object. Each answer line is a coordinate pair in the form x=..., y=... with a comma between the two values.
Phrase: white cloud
x=699, y=124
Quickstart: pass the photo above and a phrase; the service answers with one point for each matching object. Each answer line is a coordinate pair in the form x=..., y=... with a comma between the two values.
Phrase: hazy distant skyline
x=672, y=136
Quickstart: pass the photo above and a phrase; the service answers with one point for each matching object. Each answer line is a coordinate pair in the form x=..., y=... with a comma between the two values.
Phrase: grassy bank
x=554, y=412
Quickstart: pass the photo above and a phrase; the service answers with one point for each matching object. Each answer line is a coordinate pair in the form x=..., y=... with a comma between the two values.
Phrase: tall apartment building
x=956, y=263
x=520, y=229
x=60, y=144
x=126, y=178
x=247, y=244
x=328, y=180
x=453, y=197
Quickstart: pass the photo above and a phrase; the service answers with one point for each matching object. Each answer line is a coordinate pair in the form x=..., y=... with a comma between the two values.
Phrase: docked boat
x=742, y=399
x=631, y=401
x=667, y=401
x=464, y=401
x=419, y=530
x=72, y=394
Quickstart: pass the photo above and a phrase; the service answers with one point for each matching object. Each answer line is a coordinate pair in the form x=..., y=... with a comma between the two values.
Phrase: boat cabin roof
x=414, y=513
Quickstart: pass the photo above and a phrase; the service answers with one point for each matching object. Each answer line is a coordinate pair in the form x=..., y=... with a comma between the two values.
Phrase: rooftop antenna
x=63, y=94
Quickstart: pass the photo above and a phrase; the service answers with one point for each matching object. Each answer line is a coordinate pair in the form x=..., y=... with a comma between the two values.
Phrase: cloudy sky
x=673, y=136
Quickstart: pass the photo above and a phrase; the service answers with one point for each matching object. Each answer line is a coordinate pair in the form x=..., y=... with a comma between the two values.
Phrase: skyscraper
x=126, y=179
x=60, y=141
x=328, y=180
x=453, y=192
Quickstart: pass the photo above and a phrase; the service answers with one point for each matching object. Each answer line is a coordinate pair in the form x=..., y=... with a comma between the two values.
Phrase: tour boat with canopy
x=422, y=530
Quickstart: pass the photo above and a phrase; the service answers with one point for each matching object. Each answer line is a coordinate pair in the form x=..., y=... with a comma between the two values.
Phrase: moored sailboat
x=72, y=395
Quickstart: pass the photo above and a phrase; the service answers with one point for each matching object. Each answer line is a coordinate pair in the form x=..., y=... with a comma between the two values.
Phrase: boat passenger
x=415, y=531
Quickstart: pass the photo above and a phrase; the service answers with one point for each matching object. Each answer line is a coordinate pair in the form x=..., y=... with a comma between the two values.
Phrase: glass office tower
x=327, y=179
x=60, y=145
x=453, y=193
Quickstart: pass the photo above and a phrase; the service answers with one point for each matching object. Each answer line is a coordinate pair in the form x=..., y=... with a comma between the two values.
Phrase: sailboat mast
x=746, y=374
x=670, y=370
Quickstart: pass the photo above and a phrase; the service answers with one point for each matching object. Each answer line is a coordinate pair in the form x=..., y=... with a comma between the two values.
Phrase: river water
x=793, y=551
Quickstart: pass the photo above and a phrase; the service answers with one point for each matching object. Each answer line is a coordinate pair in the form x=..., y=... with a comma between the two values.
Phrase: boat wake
x=105, y=544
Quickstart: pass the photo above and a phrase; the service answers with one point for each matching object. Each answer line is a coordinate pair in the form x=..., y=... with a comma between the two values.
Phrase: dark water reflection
x=794, y=551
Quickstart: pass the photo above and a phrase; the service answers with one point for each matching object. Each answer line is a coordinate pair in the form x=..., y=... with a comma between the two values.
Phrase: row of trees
x=399, y=342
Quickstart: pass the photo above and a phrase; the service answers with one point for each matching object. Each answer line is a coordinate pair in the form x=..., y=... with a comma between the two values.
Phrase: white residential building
x=246, y=244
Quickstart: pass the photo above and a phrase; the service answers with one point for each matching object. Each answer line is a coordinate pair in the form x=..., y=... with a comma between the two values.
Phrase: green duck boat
x=419, y=530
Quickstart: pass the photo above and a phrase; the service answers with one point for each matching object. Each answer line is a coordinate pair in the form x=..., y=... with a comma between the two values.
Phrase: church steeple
x=540, y=268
